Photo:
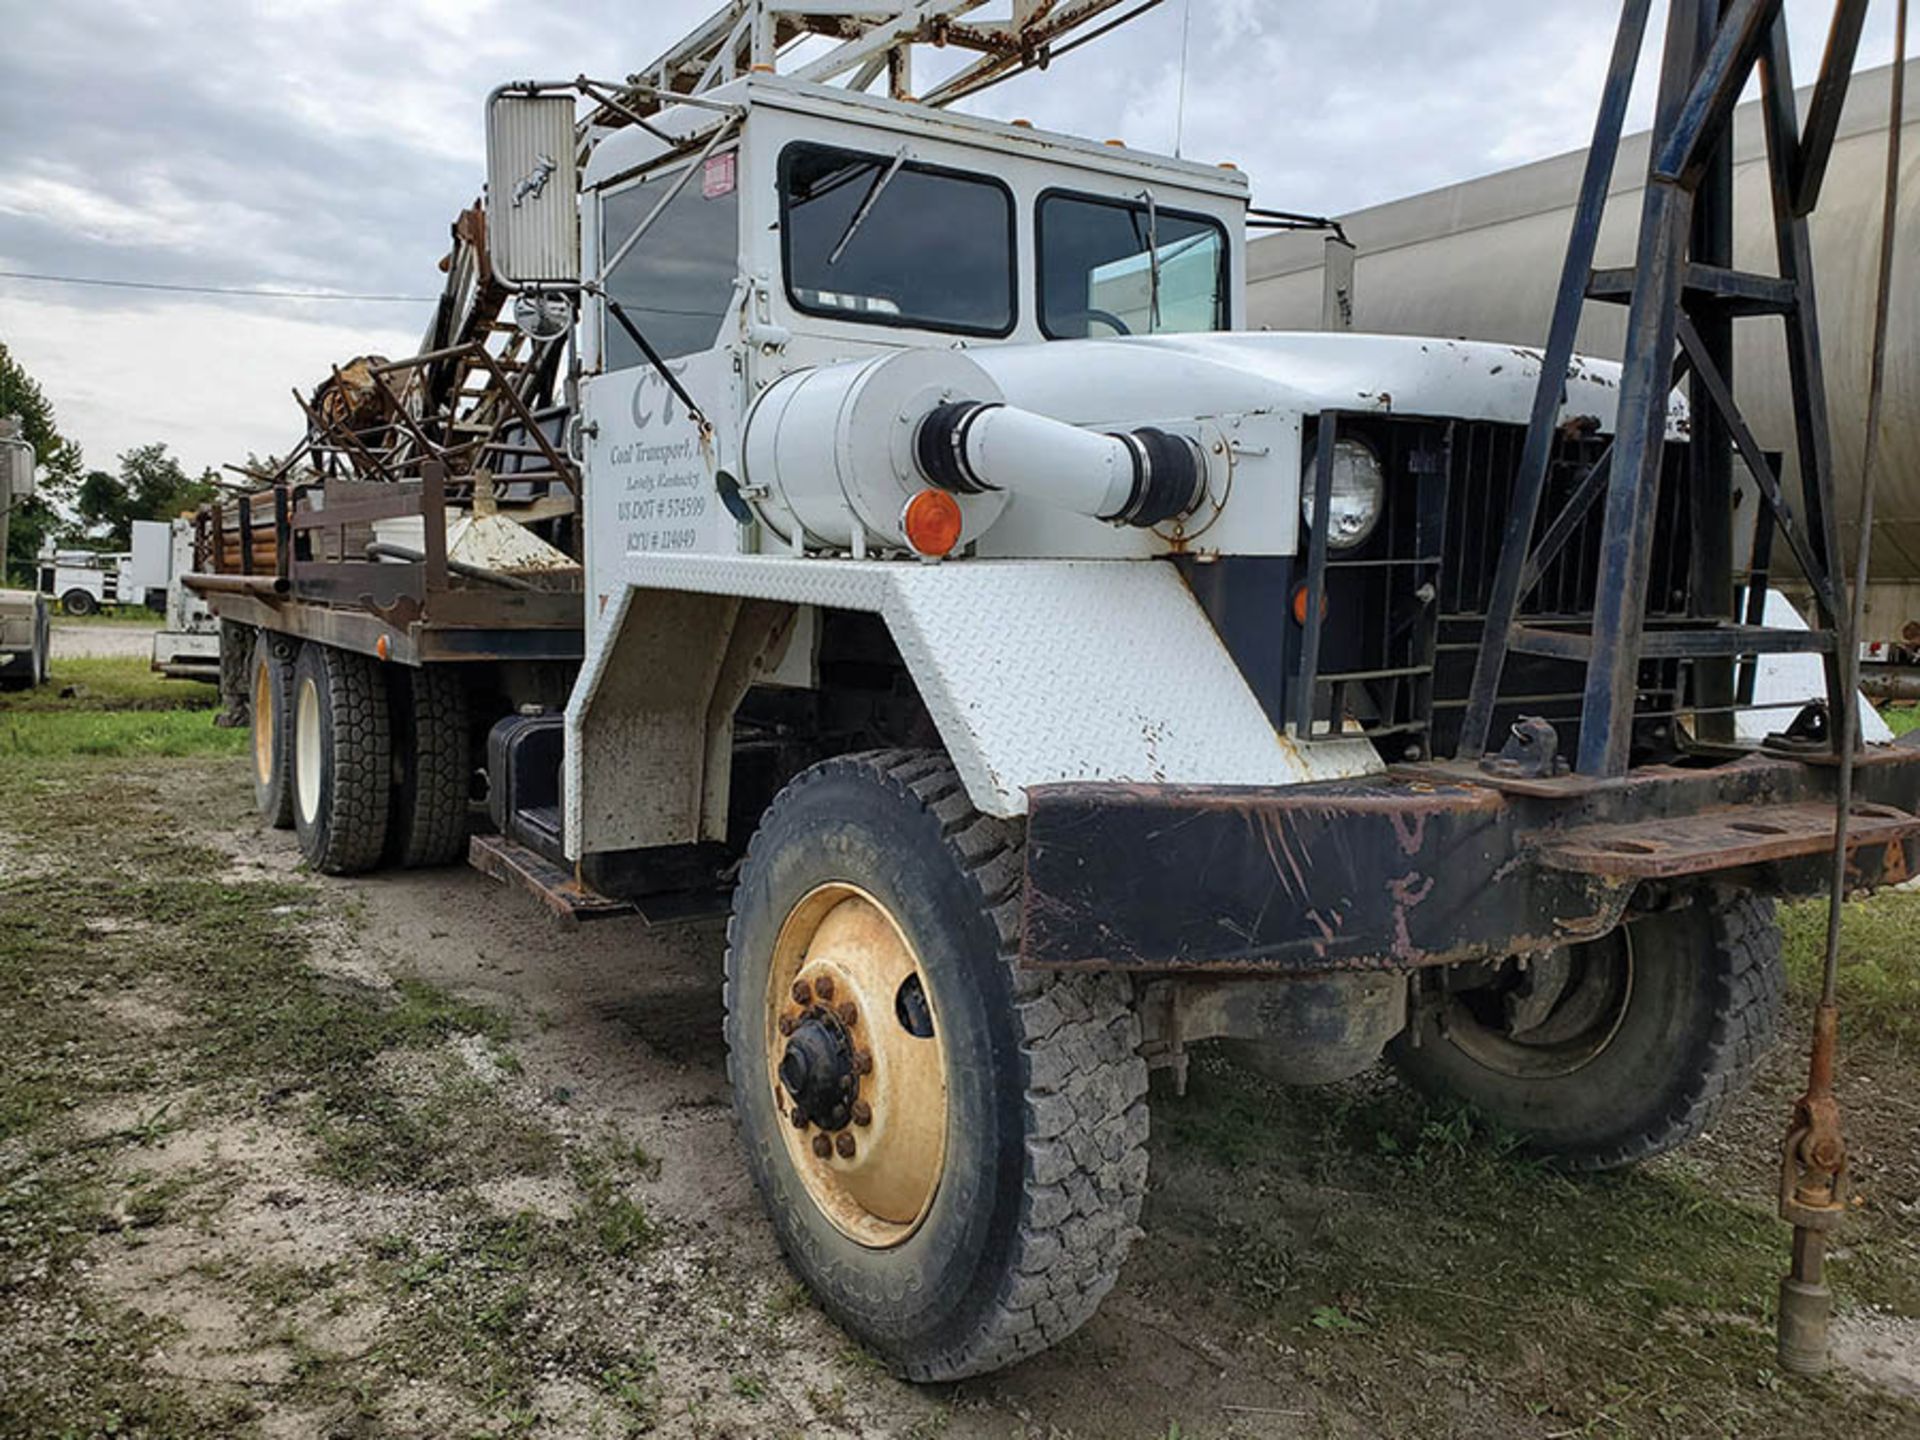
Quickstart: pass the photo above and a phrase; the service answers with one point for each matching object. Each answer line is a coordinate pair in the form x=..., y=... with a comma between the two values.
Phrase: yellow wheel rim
x=263, y=723
x=846, y=992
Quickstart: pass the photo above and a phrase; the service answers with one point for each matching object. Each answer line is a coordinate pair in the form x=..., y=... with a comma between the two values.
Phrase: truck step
x=555, y=886
x=560, y=891
x=1719, y=840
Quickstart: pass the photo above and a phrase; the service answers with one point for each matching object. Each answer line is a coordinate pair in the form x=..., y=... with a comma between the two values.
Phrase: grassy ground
x=1901, y=718
x=135, y=617
x=148, y=996
x=113, y=707
x=251, y=1184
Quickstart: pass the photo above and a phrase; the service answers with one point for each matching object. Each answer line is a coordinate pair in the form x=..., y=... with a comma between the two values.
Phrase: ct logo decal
x=644, y=402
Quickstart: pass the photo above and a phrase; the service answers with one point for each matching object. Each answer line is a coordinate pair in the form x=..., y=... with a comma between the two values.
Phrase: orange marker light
x=1300, y=606
x=383, y=647
x=932, y=522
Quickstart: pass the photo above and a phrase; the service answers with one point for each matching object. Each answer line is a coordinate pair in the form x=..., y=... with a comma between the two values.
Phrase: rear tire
x=432, y=750
x=269, y=713
x=1041, y=1115
x=1686, y=1008
x=79, y=603
x=342, y=760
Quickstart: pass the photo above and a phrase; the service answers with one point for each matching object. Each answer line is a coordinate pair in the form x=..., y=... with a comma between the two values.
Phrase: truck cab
x=828, y=227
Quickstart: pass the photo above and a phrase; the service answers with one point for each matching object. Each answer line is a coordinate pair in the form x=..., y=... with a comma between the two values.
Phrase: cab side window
x=676, y=284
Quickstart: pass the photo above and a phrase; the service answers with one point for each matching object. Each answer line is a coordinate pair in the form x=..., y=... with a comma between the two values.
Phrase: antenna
x=1180, y=105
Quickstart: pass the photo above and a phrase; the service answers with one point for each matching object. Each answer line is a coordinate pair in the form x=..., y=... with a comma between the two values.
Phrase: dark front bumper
x=1430, y=867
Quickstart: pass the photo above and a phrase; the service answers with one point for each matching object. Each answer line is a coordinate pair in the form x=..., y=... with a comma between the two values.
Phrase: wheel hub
x=1548, y=1014
x=817, y=1072
x=857, y=1065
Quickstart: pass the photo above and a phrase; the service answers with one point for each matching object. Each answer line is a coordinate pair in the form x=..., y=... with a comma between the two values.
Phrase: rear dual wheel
x=269, y=704
x=433, y=779
x=327, y=738
x=342, y=762
x=952, y=1151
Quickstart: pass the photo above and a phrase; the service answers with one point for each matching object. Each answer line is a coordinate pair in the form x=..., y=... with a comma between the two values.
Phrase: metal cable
x=1863, y=544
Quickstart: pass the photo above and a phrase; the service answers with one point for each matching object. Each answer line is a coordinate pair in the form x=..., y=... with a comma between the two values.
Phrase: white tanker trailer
x=1480, y=261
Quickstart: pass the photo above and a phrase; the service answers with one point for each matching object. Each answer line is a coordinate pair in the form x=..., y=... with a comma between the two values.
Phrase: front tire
x=1005, y=1122
x=1647, y=1036
x=342, y=760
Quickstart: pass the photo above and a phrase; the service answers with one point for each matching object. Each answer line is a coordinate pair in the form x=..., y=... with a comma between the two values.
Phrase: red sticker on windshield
x=718, y=178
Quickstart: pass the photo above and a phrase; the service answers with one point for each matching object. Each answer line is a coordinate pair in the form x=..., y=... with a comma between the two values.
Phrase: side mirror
x=533, y=189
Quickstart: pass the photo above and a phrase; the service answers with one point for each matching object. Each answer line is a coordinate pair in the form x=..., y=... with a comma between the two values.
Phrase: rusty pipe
x=1891, y=682
x=236, y=584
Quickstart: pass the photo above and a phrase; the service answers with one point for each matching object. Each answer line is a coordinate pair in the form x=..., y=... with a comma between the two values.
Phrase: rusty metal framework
x=478, y=397
x=472, y=420
x=1684, y=297
x=871, y=41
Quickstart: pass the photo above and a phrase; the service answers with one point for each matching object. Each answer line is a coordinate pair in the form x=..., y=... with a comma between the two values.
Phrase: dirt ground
x=289, y=1156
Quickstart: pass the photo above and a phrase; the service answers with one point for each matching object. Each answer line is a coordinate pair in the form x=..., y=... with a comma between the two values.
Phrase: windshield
x=881, y=239
x=1120, y=267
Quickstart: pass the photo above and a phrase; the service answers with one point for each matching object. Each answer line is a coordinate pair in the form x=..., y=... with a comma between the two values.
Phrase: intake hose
x=1140, y=477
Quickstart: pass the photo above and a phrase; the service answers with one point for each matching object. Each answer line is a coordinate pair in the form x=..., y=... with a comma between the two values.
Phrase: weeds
x=1394, y=1227
x=1879, y=962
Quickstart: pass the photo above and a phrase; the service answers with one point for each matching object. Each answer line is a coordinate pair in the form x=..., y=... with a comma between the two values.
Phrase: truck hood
x=1165, y=376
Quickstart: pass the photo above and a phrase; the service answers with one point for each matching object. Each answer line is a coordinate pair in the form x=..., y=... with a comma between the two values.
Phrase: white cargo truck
x=876, y=524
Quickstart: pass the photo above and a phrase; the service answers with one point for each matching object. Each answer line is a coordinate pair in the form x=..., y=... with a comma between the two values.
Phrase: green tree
x=58, y=460
x=150, y=486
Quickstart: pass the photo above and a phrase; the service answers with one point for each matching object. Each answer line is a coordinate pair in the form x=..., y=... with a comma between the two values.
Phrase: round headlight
x=1359, y=489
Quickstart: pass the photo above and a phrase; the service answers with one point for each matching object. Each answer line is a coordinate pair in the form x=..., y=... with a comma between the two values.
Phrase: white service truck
x=887, y=534
x=84, y=582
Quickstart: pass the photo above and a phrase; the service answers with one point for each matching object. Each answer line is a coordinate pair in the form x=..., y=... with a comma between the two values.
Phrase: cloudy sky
x=323, y=145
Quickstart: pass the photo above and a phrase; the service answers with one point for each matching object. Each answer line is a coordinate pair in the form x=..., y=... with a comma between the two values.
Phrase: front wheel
x=1611, y=1052
x=953, y=1152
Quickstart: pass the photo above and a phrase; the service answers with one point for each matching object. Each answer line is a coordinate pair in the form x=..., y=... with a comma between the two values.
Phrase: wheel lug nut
x=862, y=1113
x=799, y=1118
x=802, y=993
x=862, y=1062
x=825, y=987
x=847, y=1013
x=822, y=1146
x=787, y=1024
x=844, y=1144
x=846, y=1084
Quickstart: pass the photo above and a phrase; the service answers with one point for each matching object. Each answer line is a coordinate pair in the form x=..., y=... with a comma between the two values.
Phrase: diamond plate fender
x=1035, y=672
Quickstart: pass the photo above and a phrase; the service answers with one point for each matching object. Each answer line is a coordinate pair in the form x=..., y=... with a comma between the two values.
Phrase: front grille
x=1483, y=460
x=1407, y=609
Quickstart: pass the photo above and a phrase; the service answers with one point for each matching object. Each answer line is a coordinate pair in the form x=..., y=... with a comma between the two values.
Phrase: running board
x=555, y=887
x=562, y=892
x=1718, y=840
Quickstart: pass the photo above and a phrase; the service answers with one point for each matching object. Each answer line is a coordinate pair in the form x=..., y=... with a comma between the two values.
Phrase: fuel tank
x=1481, y=261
